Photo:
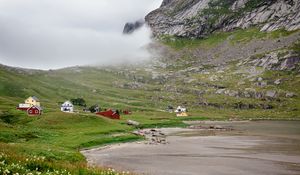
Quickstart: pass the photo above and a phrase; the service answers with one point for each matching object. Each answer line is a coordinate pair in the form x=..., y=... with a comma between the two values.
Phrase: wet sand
x=265, y=147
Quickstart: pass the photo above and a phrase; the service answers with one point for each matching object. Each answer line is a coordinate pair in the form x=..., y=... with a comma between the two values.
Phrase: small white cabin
x=181, y=112
x=67, y=107
x=180, y=109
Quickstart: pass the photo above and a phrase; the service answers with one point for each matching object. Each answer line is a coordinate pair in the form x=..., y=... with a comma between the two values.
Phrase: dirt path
x=247, y=149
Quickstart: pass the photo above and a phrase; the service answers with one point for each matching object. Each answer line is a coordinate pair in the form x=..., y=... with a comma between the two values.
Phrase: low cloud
x=58, y=33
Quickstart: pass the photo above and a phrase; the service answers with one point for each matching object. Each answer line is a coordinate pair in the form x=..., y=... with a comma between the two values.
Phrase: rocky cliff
x=199, y=18
x=131, y=27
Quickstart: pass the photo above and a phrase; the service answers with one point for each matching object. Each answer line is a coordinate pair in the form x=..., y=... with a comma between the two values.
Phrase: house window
x=30, y=111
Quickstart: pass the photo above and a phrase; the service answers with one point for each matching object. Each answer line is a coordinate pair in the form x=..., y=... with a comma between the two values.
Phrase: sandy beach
x=266, y=147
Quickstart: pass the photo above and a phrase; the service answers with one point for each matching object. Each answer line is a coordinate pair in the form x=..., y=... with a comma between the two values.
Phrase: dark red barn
x=34, y=110
x=110, y=114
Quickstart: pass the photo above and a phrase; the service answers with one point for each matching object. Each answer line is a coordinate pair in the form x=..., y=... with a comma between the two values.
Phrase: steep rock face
x=131, y=27
x=199, y=18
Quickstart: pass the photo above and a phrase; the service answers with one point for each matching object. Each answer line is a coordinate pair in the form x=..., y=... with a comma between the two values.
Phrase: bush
x=9, y=118
x=94, y=108
x=78, y=101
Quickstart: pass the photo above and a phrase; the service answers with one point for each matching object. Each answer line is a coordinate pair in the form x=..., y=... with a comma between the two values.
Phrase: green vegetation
x=179, y=43
x=12, y=163
x=78, y=101
x=250, y=5
x=234, y=37
x=296, y=47
x=219, y=10
x=56, y=137
x=216, y=10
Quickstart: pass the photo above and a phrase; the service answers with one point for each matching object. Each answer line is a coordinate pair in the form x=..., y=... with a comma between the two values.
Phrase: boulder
x=277, y=82
x=233, y=93
x=261, y=84
x=132, y=123
x=220, y=91
x=290, y=63
x=271, y=94
x=290, y=94
x=259, y=79
x=218, y=127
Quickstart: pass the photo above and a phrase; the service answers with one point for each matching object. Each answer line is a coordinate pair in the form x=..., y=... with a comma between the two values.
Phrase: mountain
x=237, y=54
x=199, y=18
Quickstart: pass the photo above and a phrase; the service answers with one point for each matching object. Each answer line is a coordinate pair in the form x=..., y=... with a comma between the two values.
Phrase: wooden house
x=33, y=101
x=29, y=102
x=67, y=107
x=34, y=110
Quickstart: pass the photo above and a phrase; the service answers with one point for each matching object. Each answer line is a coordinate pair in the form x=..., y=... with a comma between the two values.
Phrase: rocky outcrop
x=153, y=136
x=131, y=27
x=199, y=18
x=276, y=60
x=129, y=85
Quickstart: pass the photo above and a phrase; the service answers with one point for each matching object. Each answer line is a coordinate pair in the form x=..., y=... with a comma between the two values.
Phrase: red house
x=110, y=114
x=34, y=110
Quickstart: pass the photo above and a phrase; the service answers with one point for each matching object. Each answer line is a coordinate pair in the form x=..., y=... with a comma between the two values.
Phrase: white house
x=180, y=109
x=67, y=107
x=181, y=112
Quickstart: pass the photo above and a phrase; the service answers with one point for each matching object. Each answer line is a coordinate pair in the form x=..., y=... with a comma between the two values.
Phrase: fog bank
x=51, y=34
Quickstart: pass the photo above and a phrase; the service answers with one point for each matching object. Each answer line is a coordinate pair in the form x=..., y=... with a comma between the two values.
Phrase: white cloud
x=57, y=33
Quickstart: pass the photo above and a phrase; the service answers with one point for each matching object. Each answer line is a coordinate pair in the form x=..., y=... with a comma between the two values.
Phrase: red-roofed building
x=110, y=114
x=34, y=110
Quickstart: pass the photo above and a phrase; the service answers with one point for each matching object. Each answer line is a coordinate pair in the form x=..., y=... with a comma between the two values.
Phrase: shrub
x=9, y=118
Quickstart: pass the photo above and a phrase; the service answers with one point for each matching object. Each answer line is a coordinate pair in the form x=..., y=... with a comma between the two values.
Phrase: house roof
x=35, y=98
x=67, y=103
x=37, y=107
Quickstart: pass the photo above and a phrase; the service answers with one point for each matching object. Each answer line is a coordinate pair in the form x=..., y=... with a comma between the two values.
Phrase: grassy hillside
x=51, y=142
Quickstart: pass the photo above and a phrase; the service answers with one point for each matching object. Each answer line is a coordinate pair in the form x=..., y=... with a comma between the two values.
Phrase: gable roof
x=37, y=107
x=35, y=98
x=67, y=103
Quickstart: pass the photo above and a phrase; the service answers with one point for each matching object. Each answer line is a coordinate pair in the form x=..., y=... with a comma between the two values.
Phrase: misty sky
x=50, y=34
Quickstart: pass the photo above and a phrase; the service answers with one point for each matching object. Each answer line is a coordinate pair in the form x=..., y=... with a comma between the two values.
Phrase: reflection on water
x=280, y=136
x=284, y=129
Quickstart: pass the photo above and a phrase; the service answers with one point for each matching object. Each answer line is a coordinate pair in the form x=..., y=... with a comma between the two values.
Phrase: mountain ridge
x=200, y=18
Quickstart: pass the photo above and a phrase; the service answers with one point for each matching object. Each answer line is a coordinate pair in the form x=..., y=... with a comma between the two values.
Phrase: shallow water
x=263, y=147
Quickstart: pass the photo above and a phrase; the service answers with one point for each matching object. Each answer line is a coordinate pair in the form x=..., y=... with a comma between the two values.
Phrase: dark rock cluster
x=131, y=27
